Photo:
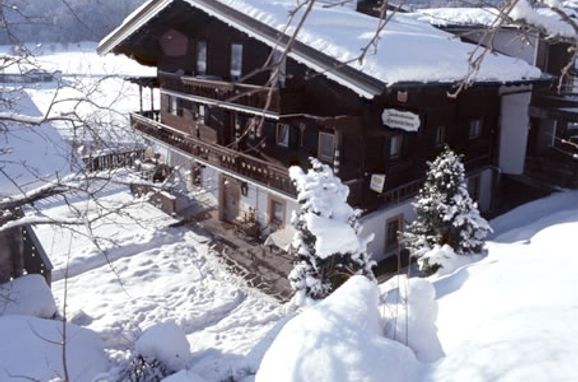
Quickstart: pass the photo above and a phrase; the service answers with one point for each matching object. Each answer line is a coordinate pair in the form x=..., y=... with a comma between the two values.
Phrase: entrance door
x=231, y=198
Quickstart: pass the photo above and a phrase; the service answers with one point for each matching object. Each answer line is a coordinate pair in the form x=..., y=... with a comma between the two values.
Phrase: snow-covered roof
x=543, y=18
x=30, y=154
x=331, y=40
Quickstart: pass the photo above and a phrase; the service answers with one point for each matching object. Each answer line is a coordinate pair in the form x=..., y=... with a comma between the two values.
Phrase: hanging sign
x=377, y=182
x=397, y=119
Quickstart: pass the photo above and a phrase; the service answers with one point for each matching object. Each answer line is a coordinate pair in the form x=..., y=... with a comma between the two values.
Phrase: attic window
x=236, y=61
x=201, y=58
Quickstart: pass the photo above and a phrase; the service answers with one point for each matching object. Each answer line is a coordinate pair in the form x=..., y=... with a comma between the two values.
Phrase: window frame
x=272, y=217
x=440, y=135
x=278, y=59
x=399, y=147
x=475, y=129
x=285, y=142
x=236, y=57
x=201, y=51
x=320, y=155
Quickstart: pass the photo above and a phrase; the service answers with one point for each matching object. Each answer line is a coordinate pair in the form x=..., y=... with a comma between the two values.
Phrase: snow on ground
x=512, y=316
x=158, y=274
x=137, y=227
x=17, y=143
x=27, y=295
x=340, y=339
x=30, y=350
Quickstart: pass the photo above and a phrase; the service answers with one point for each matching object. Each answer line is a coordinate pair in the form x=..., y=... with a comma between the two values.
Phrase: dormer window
x=201, y=58
x=236, y=61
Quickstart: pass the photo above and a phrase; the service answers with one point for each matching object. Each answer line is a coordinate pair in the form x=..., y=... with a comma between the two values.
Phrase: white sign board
x=377, y=183
x=396, y=119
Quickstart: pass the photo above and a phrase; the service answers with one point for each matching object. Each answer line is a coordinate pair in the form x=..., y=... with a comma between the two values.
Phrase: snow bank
x=447, y=260
x=410, y=311
x=512, y=316
x=167, y=343
x=339, y=339
x=184, y=376
x=28, y=295
x=30, y=347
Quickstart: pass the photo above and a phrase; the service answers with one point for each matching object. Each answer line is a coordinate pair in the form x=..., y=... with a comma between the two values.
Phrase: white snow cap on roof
x=543, y=18
x=408, y=51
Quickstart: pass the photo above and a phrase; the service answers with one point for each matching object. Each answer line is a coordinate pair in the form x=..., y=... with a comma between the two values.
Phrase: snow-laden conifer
x=328, y=244
x=446, y=214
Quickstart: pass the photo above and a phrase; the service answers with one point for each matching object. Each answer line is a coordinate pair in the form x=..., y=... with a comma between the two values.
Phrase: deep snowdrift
x=513, y=315
x=339, y=339
x=30, y=349
x=28, y=295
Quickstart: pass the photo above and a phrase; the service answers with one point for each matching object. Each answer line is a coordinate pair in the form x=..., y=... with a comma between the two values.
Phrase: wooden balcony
x=275, y=100
x=223, y=158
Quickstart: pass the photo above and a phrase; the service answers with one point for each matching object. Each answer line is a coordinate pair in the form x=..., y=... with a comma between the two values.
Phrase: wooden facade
x=257, y=130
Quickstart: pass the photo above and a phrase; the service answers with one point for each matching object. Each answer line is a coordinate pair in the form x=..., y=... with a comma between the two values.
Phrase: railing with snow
x=223, y=158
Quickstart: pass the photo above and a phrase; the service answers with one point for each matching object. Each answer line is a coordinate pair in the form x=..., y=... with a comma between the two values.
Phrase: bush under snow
x=445, y=260
x=340, y=339
x=167, y=343
x=28, y=295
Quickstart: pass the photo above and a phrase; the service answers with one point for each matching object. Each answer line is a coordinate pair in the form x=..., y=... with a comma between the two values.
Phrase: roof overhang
x=335, y=70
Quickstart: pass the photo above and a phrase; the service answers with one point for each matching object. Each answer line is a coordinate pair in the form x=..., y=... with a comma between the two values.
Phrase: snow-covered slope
x=513, y=315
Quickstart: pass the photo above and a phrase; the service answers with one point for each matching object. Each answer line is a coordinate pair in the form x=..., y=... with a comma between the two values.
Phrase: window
x=474, y=184
x=279, y=67
x=236, y=61
x=440, y=136
x=174, y=106
x=276, y=212
x=282, y=135
x=475, y=130
x=392, y=227
x=395, y=144
x=203, y=114
x=326, y=148
x=201, y=58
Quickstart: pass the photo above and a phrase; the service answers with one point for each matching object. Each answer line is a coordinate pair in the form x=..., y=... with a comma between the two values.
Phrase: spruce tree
x=328, y=244
x=446, y=214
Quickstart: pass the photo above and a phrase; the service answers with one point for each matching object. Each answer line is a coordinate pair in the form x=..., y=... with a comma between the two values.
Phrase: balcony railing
x=277, y=100
x=258, y=170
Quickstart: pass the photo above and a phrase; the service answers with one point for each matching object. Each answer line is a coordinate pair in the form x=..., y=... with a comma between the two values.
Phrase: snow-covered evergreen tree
x=446, y=214
x=328, y=242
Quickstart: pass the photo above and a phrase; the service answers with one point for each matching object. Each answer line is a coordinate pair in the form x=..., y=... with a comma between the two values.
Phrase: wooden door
x=231, y=199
